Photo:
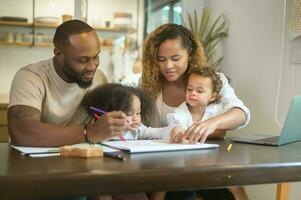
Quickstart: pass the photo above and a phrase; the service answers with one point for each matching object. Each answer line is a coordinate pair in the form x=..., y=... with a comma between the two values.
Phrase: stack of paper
x=140, y=146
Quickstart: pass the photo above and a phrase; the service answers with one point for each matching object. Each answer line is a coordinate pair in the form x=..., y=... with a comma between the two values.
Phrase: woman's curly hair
x=117, y=97
x=208, y=72
x=151, y=76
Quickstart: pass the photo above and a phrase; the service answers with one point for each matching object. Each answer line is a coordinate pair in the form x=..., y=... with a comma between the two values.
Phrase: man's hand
x=108, y=125
x=177, y=134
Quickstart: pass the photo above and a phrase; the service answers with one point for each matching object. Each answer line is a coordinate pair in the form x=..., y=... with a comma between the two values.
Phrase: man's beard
x=76, y=78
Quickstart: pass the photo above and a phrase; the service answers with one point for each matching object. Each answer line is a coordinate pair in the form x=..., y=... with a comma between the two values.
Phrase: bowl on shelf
x=46, y=20
x=66, y=17
x=122, y=20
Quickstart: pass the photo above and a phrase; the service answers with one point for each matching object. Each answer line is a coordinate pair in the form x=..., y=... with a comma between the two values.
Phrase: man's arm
x=26, y=129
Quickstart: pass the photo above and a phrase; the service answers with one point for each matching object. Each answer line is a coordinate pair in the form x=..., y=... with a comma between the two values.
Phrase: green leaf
x=215, y=37
x=196, y=24
x=204, y=22
x=220, y=28
x=209, y=35
x=190, y=23
x=217, y=63
x=213, y=44
x=213, y=27
x=210, y=54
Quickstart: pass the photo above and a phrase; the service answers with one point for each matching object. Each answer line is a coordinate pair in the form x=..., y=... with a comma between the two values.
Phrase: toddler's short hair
x=209, y=72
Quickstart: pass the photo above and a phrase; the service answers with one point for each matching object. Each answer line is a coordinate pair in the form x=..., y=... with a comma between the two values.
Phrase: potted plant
x=209, y=34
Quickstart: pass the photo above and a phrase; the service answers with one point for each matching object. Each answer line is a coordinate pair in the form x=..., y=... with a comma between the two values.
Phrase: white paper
x=44, y=155
x=29, y=150
x=140, y=146
x=53, y=151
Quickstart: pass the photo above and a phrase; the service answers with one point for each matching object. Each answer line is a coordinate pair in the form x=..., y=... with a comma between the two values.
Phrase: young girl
x=202, y=102
x=138, y=107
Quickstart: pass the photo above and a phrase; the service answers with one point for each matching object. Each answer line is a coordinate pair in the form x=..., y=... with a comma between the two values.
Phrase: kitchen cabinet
x=108, y=32
x=118, y=44
x=43, y=17
x=3, y=123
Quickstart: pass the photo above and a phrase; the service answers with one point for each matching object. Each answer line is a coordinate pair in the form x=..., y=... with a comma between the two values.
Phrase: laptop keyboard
x=271, y=140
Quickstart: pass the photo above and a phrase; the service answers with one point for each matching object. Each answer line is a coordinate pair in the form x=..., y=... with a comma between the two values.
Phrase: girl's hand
x=176, y=135
x=199, y=131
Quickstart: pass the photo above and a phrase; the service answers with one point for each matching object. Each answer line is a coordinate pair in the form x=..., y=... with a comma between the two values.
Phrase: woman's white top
x=181, y=115
x=228, y=101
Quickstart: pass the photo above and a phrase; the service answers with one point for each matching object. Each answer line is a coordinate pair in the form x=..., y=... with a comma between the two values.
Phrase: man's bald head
x=66, y=29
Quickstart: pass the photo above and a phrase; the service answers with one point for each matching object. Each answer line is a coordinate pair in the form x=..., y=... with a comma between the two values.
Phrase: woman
x=168, y=54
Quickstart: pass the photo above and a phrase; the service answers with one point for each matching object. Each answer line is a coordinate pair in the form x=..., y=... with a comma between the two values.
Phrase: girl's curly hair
x=208, y=72
x=117, y=97
x=151, y=76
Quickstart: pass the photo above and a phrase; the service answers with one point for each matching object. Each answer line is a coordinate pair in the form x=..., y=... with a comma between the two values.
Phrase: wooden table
x=32, y=178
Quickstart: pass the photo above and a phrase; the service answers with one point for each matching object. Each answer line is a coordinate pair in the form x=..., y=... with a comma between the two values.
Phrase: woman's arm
x=218, y=134
x=230, y=101
x=199, y=131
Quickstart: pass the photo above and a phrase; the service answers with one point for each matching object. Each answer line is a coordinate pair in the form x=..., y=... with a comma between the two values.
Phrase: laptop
x=291, y=131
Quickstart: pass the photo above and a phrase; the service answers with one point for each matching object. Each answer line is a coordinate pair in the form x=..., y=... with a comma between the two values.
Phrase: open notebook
x=140, y=146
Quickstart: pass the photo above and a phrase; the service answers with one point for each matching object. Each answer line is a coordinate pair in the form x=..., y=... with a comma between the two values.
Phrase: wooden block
x=81, y=151
x=282, y=191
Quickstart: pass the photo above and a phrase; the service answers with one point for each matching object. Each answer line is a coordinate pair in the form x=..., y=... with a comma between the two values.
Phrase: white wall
x=14, y=57
x=253, y=55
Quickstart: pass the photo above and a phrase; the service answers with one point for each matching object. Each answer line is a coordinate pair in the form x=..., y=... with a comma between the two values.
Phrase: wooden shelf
x=8, y=23
x=40, y=44
x=28, y=44
x=43, y=44
x=115, y=29
x=54, y=25
x=3, y=122
x=26, y=24
x=46, y=25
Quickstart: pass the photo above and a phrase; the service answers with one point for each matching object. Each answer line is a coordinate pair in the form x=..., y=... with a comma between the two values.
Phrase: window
x=159, y=12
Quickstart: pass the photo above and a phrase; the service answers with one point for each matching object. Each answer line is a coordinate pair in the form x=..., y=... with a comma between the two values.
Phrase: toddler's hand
x=176, y=135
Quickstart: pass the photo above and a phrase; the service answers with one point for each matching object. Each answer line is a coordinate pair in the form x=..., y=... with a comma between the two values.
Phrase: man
x=44, y=107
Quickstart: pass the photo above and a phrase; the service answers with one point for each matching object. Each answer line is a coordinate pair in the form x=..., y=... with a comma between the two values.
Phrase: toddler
x=202, y=102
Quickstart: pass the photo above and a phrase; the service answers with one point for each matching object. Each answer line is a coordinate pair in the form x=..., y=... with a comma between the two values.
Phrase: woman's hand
x=199, y=131
x=176, y=135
